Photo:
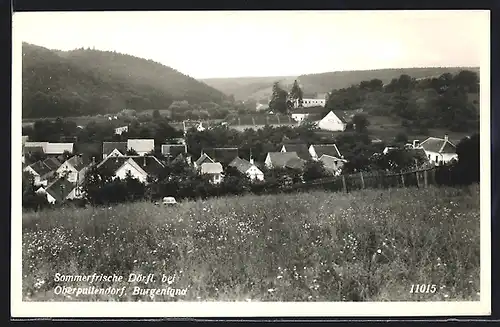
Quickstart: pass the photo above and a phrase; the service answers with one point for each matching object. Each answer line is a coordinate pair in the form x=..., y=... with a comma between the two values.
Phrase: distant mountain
x=258, y=88
x=88, y=82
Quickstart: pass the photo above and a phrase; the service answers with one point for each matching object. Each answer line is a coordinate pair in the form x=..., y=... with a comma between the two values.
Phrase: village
x=61, y=172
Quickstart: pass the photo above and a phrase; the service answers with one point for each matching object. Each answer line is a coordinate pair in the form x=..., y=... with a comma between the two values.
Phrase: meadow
x=368, y=245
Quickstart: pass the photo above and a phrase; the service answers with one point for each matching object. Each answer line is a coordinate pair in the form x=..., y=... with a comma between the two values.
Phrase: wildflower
x=379, y=251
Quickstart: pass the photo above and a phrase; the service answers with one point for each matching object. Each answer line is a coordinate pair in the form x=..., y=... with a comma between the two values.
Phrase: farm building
x=439, y=151
x=311, y=102
x=247, y=168
x=311, y=113
x=121, y=130
x=334, y=122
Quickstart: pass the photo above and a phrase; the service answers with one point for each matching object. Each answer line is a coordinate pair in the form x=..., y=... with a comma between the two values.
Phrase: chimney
x=144, y=161
x=251, y=161
x=446, y=137
x=93, y=160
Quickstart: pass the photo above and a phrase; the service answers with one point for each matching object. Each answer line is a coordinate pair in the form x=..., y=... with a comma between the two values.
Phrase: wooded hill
x=258, y=88
x=86, y=82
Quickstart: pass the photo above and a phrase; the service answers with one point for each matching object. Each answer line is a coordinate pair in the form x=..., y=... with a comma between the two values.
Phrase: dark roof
x=203, y=159
x=222, y=155
x=41, y=168
x=330, y=163
x=341, y=115
x=60, y=188
x=108, y=147
x=301, y=150
x=279, y=159
x=172, y=150
x=434, y=144
x=295, y=163
x=309, y=110
x=328, y=149
x=77, y=162
x=241, y=164
x=150, y=164
x=52, y=163
x=31, y=149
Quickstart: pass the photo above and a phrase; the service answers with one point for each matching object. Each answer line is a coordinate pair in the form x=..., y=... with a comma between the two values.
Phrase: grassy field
x=363, y=246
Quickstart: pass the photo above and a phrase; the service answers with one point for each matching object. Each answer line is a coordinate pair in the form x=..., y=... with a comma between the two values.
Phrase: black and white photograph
x=251, y=163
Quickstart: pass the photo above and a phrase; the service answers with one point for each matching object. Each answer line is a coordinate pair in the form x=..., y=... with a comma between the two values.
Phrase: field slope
x=85, y=82
x=363, y=246
x=258, y=88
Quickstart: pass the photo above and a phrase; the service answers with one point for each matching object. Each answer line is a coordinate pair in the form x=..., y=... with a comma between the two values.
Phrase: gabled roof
x=279, y=159
x=222, y=155
x=59, y=148
x=211, y=168
x=77, y=162
x=141, y=145
x=301, y=150
x=341, y=115
x=204, y=157
x=150, y=164
x=241, y=164
x=52, y=163
x=173, y=150
x=295, y=163
x=40, y=168
x=330, y=163
x=60, y=188
x=434, y=144
x=329, y=149
x=108, y=147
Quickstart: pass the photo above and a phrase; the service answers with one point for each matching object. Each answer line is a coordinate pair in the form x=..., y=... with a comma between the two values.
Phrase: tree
x=401, y=138
x=296, y=94
x=360, y=123
x=132, y=152
x=156, y=114
x=278, y=101
x=313, y=170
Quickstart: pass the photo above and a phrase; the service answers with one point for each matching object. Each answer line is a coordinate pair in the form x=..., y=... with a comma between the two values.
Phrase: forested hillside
x=258, y=88
x=87, y=82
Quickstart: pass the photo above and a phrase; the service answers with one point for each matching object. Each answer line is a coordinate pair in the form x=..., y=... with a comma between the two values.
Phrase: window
x=437, y=159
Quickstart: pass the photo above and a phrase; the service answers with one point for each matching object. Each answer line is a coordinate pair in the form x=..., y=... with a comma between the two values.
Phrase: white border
x=21, y=309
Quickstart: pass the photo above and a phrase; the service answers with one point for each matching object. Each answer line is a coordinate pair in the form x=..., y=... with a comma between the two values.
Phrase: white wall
x=299, y=117
x=122, y=172
x=332, y=123
x=313, y=102
x=445, y=157
x=255, y=173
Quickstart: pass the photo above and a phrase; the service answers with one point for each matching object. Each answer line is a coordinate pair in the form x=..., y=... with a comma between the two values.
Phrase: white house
x=439, y=151
x=121, y=130
x=247, y=168
x=60, y=190
x=311, y=102
x=73, y=169
x=333, y=122
x=140, y=167
x=214, y=169
x=141, y=146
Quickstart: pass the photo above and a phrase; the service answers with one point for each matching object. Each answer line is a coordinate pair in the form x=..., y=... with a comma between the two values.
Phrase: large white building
x=439, y=151
x=333, y=122
x=311, y=102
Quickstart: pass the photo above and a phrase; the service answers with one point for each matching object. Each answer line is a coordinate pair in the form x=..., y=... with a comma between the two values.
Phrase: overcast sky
x=267, y=43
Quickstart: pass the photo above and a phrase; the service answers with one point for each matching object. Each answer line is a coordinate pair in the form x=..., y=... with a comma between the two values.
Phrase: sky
x=267, y=43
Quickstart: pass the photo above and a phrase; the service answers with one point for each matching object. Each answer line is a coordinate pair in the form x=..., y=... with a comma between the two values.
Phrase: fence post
x=344, y=184
x=418, y=181
x=362, y=180
x=403, y=179
x=425, y=178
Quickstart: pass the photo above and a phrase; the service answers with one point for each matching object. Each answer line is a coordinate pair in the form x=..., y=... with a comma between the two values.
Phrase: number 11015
x=423, y=288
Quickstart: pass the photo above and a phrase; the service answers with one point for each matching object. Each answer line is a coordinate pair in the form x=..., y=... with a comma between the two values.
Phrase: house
x=318, y=150
x=198, y=125
x=58, y=148
x=114, y=149
x=311, y=102
x=73, y=169
x=334, y=122
x=247, y=168
x=121, y=130
x=141, y=146
x=332, y=164
x=280, y=159
x=214, y=169
x=389, y=148
x=204, y=158
x=60, y=190
x=52, y=163
x=300, y=149
x=222, y=155
x=313, y=113
x=439, y=151
x=140, y=167
x=172, y=151
x=40, y=171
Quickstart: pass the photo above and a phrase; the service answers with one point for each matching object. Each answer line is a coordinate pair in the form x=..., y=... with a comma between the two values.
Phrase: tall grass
x=363, y=246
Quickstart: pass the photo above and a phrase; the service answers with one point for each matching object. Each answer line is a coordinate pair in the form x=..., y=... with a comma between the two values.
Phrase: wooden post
x=344, y=184
x=362, y=180
x=403, y=179
x=425, y=178
x=418, y=181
